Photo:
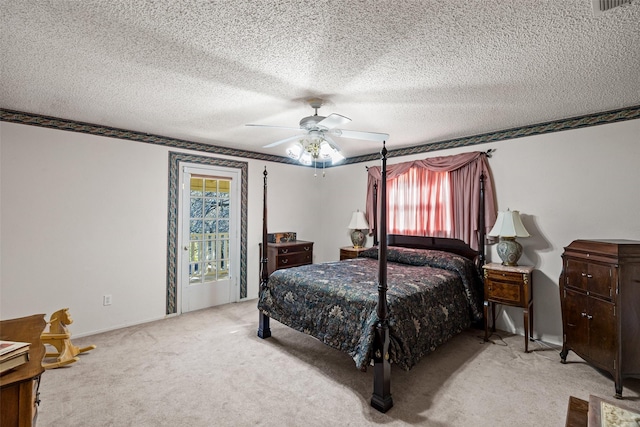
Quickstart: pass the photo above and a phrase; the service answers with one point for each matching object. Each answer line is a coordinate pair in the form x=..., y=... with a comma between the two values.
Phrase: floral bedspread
x=432, y=296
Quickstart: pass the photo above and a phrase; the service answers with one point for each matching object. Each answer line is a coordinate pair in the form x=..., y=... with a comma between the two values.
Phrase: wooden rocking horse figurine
x=59, y=337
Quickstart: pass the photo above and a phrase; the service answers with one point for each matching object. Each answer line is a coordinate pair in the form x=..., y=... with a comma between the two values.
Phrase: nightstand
x=349, y=252
x=511, y=286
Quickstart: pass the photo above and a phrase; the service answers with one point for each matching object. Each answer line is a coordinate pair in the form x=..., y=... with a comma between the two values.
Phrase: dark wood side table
x=349, y=252
x=511, y=286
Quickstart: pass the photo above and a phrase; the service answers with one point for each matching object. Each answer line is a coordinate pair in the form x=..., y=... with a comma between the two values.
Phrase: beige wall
x=82, y=216
x=576, y=184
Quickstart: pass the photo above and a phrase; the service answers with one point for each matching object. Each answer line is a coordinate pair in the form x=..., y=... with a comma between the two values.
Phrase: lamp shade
x=508, y=224
x=358, y=221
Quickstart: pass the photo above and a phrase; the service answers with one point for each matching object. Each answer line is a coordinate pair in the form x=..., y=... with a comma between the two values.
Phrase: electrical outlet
x=106, y=300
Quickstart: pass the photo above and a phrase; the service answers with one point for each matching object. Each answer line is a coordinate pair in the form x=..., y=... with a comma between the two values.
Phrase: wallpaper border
x=175, y=159
x=627, y=113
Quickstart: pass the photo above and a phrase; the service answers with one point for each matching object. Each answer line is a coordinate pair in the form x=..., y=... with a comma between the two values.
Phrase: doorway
x=209, y=237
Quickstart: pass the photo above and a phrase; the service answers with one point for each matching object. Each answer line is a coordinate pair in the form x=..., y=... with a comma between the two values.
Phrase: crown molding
x=623, y=114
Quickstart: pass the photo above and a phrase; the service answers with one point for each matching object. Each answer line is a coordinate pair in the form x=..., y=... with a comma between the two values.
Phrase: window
x=420, y=203
x=437, y=197
x=208, y=229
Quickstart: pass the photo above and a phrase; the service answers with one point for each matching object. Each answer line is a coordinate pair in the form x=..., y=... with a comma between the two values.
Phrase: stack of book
x=13, y=354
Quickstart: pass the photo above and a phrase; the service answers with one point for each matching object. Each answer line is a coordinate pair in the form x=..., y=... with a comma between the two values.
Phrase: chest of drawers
x=600, y=296
x=288, y=254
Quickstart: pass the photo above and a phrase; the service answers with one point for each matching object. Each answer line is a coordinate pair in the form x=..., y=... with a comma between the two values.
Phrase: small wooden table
x=577, y=413
x=598, y=412
x=349, y=252
x=19, y=386
x=508, y=285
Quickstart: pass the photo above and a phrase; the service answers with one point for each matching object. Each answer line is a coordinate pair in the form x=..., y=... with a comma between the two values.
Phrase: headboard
x=455, y=246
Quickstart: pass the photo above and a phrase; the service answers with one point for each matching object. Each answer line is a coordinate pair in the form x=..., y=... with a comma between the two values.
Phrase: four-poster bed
x=428, y=290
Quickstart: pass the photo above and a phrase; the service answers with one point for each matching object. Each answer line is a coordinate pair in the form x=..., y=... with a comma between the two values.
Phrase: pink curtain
x=465, y=170
x=420, y=209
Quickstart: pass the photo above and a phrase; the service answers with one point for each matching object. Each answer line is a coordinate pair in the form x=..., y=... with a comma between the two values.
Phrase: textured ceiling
x=421, y=71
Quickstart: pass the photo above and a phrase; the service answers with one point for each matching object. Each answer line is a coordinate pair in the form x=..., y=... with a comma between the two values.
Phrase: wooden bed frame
x=381, y=398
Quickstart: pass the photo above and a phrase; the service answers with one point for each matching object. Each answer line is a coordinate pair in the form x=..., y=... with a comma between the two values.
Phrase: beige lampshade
x=358, y=221
x=508, y=224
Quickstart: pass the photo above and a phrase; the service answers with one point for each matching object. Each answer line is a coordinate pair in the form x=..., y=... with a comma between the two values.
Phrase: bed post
x=381, y=398
x=375, y=214
x=481, y=226
x=264, y=331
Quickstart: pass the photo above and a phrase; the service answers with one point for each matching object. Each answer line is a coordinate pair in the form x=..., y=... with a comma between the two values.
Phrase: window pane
x=223, y=192
x=196, y=187
x=223, y=249
x=211, y=187
x=196, y=208
x=210, y=208
x=209, y=250
x=209, y=228
x=224, y=209
x=195, y=273
x=209, y=272
x=195, y=251
x=223, y=270
x=195, y=226
x=223, y=226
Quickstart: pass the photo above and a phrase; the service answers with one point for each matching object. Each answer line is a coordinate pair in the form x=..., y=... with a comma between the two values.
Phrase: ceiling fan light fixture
x=317, y=145
x=295, y=151
x=326, y=150
x=336, y=157
x=306, y=158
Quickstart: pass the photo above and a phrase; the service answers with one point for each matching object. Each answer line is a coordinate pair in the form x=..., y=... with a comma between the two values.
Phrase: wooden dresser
x=19, y=386
x=600, y=296
x=288, y=254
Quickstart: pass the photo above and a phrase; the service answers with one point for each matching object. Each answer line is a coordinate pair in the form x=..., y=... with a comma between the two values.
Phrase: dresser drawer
x=503, y=276
x=291, y=260
x=291, y=249
x=507, y=286
x=504, y=292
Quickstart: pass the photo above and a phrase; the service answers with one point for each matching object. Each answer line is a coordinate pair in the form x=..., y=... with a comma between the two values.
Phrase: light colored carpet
x=208, y=368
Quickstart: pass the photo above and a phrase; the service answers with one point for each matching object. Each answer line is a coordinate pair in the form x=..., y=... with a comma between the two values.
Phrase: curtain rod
x=488, y=153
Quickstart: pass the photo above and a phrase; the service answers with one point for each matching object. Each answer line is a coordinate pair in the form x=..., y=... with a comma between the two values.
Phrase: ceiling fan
x=317, y=144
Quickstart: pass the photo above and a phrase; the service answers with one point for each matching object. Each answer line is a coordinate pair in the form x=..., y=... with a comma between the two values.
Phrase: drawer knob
x=285, y=260
x=584, y=274
x=284, y=251
x=589, y=276
x=306, y=248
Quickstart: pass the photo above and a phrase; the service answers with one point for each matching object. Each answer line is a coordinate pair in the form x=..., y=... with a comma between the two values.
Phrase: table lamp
x=357, y=224
x=508, y=226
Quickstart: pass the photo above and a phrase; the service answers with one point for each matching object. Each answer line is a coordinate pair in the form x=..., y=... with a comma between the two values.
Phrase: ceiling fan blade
x=333, y=120
x=331, y=141
x=355, y=134
x=282, y=141
x=275, y=127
